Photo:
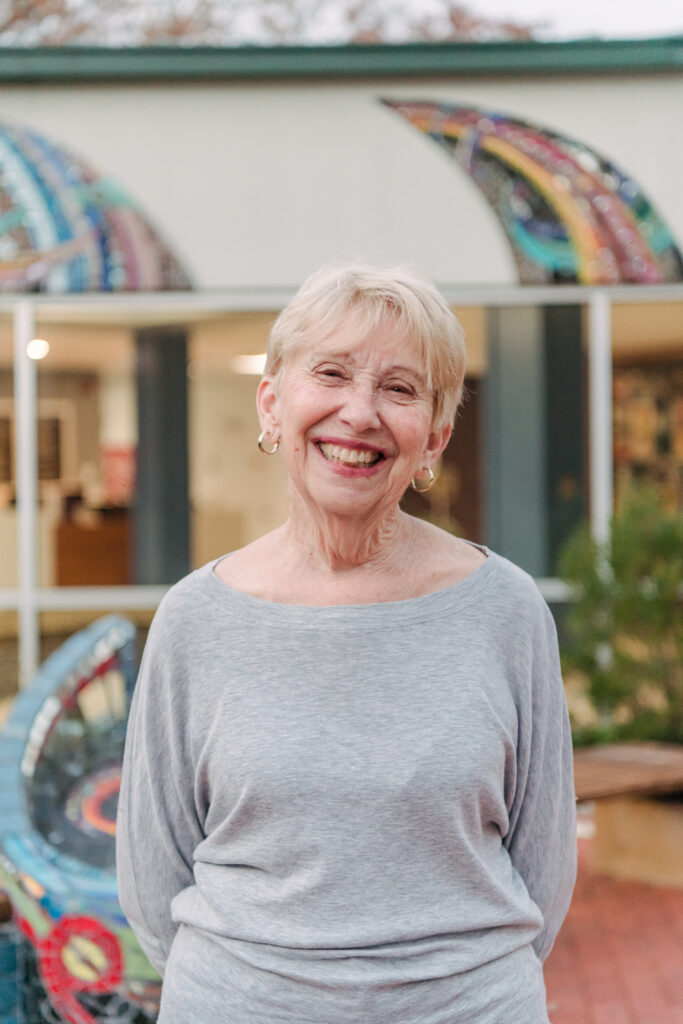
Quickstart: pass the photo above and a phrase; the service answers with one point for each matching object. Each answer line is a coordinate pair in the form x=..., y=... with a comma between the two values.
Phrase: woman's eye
x=330, y=373
x=400, y=389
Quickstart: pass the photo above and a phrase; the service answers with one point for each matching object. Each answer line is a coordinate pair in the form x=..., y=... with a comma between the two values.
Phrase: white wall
x=256, y=185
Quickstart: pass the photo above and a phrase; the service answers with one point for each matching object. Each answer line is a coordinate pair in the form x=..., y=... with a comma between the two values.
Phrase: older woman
x=347, y=791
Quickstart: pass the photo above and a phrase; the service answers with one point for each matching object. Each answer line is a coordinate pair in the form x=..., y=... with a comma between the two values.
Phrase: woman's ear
x=436, y=442
x=266, y=406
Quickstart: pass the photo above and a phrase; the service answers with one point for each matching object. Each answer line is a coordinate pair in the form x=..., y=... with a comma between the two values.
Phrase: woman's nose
x=360, y=408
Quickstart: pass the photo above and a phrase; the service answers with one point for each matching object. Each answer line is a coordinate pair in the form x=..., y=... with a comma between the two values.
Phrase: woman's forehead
x=385, y=345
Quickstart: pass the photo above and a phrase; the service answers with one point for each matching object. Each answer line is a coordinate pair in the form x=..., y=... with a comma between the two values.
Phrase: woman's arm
x=157, y=826
x=542, y=835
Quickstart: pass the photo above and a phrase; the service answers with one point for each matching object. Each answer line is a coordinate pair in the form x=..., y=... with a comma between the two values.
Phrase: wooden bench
x=628, y=769
x=636, y=835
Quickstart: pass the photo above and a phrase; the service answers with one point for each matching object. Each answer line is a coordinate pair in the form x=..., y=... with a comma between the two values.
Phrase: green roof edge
x=405, y=60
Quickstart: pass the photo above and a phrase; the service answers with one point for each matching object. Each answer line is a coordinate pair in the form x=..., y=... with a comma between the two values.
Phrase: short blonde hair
x=367, y=295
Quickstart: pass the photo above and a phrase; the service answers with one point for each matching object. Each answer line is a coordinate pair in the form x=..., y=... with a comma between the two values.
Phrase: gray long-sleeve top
x=349, y=813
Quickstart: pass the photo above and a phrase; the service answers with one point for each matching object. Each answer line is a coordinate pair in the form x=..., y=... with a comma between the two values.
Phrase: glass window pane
x=237, y=493
x=86, y=454
x=647, y=345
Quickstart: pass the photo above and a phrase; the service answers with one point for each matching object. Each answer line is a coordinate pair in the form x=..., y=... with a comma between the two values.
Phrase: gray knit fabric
x=359, y=814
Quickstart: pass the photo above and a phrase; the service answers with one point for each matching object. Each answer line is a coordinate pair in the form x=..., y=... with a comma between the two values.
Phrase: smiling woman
x=347, y=790
x=355, y=420
x=364, y=373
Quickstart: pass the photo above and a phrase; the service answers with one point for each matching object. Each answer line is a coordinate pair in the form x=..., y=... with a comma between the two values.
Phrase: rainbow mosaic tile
x=568, y=212
x=66, y=228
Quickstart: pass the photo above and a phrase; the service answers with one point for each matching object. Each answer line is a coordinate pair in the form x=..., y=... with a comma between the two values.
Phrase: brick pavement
x=619, y=956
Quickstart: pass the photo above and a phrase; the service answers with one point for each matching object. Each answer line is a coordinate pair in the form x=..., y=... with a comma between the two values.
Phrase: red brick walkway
x=619, y=956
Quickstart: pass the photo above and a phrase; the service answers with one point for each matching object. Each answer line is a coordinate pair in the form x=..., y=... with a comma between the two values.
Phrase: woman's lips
x=350, y=457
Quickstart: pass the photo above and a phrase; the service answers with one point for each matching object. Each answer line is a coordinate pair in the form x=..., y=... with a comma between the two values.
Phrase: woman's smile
x=358, y=458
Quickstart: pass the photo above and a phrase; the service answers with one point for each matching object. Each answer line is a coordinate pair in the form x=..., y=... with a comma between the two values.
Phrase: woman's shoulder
x=508, y=584
x=183, y=604
x=443, y=558
x=516, y=601
x=249, y=569
x=237, y=569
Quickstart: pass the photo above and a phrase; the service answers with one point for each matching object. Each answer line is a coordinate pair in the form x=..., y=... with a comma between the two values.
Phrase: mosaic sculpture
x=66, y=228
x=70, y=957
x=568, y=212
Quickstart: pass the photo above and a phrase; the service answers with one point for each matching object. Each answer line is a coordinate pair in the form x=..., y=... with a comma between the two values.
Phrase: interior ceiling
x=654, y=329
x=647, y=330
x=214, y=341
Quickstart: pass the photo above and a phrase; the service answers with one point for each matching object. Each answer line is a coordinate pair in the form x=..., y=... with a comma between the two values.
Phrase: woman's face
x=354, y=418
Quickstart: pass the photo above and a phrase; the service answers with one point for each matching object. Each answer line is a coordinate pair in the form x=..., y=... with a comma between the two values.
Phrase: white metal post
x=600, y=414
x=26, y=462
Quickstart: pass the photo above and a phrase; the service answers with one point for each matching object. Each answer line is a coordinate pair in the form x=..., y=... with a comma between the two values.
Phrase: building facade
x=159, y=206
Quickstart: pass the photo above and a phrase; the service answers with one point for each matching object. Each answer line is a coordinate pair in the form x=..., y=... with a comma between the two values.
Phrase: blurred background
x=171, y=171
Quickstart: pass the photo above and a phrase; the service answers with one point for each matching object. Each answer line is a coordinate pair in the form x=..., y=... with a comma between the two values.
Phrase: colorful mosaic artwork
x=568, y=212
x=70, y=957
x=65, y=228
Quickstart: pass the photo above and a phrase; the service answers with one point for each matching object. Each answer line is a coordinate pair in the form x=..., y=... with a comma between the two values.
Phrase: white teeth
x=349, y=456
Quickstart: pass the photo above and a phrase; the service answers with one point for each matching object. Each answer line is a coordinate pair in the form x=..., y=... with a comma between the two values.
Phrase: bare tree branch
x=234, y=22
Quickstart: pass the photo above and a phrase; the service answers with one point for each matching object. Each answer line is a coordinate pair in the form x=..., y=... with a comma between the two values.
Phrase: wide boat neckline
x=429, y=604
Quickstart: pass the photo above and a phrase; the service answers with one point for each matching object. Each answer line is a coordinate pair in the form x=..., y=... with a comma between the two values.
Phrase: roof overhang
x=73, y=64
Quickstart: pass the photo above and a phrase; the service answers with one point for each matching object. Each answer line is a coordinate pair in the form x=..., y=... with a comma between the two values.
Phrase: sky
x=615, y=19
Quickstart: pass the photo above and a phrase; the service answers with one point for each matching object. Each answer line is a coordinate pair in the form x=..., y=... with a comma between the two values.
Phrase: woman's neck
x=332, y=544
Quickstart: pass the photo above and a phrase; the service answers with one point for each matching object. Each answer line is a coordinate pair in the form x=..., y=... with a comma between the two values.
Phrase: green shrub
x=625, y=628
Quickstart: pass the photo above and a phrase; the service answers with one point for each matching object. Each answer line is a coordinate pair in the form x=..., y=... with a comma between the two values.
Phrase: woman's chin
x=350, y=497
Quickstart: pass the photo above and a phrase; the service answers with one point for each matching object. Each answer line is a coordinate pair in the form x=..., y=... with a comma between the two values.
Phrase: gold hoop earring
x=263, y=445
x=421, y=484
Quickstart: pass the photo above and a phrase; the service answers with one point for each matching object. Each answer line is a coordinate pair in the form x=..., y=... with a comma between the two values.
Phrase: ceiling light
x=38, y=348
x=254, y=364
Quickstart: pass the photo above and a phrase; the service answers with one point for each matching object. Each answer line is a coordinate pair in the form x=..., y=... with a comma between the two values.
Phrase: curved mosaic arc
x=568, y=212
x=66, y=228
x=60, y=766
